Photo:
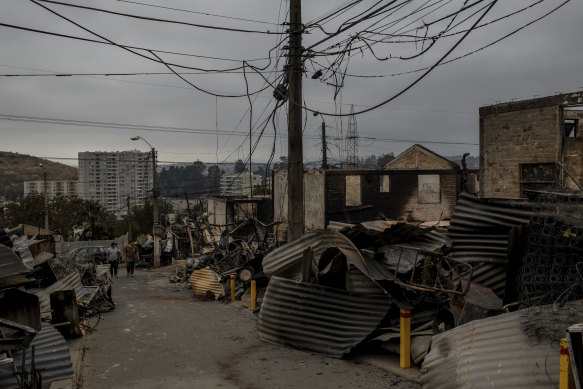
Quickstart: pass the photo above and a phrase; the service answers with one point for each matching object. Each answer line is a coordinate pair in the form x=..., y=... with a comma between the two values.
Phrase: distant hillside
x=16, y=168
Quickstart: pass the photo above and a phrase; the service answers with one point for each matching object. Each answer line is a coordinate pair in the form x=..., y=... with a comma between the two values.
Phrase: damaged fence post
x=566, y=379
x=405, y=350
x=253, y=295
x=232, y=288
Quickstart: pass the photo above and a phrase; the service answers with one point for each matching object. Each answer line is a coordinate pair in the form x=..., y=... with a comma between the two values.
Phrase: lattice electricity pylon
x=352, y=141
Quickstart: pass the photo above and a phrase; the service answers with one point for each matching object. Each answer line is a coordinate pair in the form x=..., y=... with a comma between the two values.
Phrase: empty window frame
x=429, y=189
x=353, y=191
x=570, y=126
x=385, y=186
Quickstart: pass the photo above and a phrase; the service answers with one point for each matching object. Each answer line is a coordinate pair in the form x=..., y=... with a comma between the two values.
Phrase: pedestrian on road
x=132, y=255
x=113, y=256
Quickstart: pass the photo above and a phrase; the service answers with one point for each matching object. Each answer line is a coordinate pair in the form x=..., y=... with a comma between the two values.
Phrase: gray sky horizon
x=185, y=124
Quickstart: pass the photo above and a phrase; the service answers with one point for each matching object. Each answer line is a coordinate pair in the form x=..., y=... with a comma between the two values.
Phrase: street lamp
x=154, y=201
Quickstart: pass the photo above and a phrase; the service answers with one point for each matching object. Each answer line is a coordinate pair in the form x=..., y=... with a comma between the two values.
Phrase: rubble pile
x=399, y=265
x=238, y=252
x=44, y=300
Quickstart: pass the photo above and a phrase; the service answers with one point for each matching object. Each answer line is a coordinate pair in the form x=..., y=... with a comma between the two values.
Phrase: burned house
x=531, y=144
x=418, y=185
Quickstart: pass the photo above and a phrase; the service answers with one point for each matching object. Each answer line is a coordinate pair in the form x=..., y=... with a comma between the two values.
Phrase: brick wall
x=508, y=139
x=400, y=203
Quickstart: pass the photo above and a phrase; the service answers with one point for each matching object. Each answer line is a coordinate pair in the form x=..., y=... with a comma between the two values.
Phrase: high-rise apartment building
x=54, y=188
x=110, y=177
x=238, y=184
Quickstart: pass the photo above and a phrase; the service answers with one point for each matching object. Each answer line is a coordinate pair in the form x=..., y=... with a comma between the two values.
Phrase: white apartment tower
x=109, y=177
x=238, y=184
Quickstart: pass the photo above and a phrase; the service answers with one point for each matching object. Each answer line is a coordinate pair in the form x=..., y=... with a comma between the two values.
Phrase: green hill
x=16, y=168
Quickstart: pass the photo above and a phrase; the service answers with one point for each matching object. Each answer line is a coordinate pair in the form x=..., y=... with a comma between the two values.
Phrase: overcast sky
x=540, y=60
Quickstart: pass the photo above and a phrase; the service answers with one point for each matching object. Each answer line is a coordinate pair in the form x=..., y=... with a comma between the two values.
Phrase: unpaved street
x=161, y=336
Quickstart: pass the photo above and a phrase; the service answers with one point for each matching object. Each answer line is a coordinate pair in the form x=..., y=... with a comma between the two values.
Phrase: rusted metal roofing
x=316, y=318
x=286, y=261
x=490, y=353
x=206, y=281
x=51, y=357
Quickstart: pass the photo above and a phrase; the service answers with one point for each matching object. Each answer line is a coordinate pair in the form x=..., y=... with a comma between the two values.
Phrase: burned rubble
x=44, y=300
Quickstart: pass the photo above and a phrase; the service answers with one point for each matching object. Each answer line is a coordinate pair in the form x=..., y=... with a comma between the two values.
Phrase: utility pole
x=324, y=147
x=129, y=221
x=155, y=211
x=295, y=152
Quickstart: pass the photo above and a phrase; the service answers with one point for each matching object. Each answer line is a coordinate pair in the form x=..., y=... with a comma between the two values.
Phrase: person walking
x=113, y=256
x=132, y=255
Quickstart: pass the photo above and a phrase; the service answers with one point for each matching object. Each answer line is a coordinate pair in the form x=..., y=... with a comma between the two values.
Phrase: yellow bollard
x=405, y=351
x=566, y=380
x=232, y=288
x=253, y=295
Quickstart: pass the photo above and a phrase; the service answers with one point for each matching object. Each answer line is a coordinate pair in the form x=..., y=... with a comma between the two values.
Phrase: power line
x=199, y=12
x=85, y=123
x=44, y=32
x=160, y=20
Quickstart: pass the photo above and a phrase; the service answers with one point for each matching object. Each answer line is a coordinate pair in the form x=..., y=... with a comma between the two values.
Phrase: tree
x=384, y=159
x=29, y=211
x=214, y=180
x=282, y=163
x=240, y=167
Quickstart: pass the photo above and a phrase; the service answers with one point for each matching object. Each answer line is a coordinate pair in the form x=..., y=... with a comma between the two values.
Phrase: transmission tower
x=352, y=141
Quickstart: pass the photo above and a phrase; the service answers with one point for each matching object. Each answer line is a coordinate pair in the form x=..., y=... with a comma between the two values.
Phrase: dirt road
x=161, y=336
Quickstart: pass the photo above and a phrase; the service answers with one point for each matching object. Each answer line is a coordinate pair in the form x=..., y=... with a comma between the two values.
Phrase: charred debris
x=44, y=300
x=340, y=290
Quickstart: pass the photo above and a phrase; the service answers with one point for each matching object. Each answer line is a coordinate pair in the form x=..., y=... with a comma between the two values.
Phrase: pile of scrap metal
x=238, y=252
x=529, y=253
x=43, y=301
x=332, y=290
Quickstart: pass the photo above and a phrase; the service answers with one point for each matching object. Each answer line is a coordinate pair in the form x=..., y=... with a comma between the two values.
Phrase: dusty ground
x=161, y=336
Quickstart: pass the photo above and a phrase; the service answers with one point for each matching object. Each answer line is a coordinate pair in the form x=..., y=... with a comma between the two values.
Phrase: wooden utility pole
x=324, y=147
x=156, y=220
x=295, y=152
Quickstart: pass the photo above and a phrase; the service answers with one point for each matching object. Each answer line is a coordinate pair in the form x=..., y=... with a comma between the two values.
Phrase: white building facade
x=110, y=177
x=238, y=184
x=54, y=188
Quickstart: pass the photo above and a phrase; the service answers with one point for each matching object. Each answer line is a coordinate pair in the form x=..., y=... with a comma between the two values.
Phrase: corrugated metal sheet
x=205, y=281
x=286, y=261
x=10, y=264
x=71, y=281
x=472, y=212
x=319, y=319
x=491, y=275
x=490, y=353
x=357, y=282
x=479, y=228
x=52, y=358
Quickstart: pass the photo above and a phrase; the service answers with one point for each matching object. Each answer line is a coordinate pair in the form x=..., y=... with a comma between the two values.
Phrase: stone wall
x=510, y=139
x=66, y=247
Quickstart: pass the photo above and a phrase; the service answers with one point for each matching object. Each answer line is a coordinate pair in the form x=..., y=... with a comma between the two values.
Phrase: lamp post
x=46, y=211
x=154, y=201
